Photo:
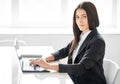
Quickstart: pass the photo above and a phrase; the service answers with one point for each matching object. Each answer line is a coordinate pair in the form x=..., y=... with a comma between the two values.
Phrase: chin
x=81, y=29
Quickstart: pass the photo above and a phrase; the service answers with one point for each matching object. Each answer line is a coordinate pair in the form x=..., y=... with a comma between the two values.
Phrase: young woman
x=85, y=52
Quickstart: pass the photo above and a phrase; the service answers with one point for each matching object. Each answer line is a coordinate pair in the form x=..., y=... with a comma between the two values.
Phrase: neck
x=83, y=32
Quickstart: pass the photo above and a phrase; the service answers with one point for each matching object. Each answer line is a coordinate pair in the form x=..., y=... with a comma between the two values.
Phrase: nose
x=80, y=20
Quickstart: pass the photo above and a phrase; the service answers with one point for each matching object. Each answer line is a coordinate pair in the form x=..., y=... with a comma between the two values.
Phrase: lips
x=81, y=25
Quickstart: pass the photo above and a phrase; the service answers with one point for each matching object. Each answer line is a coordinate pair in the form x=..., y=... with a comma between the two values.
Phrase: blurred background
x=54, y=14
x=49, y=23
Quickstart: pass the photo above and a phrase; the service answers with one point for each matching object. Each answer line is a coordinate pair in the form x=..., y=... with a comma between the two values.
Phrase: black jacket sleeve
x=62, y=53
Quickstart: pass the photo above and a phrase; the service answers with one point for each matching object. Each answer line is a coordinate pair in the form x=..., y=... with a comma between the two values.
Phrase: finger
x=38, y=59
x=47, y=61
x=31, y=59
x=32, y=62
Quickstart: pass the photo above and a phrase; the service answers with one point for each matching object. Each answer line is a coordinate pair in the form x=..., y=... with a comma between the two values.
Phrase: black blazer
x=88, y=65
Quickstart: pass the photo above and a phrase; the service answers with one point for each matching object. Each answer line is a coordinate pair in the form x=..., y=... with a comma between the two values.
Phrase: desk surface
x=6, y=65
x=9, y=59
x=40, y=78
x=45, y=78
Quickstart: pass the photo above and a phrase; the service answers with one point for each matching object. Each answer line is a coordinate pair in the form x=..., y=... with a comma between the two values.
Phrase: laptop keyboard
x=27, y=66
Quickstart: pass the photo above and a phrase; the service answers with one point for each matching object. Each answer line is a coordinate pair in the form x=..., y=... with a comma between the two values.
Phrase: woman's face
x=82, y=20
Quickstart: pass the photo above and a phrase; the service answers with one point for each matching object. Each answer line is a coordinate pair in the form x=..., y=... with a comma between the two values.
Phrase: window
x=59, y=13
x=53, y=13
x=118, y=13
x=5, y=13
x=39, y=13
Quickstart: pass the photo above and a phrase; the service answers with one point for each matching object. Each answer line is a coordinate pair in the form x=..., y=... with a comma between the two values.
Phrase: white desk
x=40, y=78
x=6, y=65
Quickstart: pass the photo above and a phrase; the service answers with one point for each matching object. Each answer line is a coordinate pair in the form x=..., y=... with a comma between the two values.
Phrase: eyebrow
x=84, y=14
x=81, y=15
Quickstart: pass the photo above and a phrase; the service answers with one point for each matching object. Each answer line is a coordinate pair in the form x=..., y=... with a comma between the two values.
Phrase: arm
x=44, y=64
x=54, y=56
x=59, y=54
x=62, y=53
x=50, y=58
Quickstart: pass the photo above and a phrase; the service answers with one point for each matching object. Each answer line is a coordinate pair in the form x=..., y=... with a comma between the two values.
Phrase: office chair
x=111, y=70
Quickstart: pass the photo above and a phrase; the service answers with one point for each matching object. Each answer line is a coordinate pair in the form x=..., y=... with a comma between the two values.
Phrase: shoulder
x=98, y=39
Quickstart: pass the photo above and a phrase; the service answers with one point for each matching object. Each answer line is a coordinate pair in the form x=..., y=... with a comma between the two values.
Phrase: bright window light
x=39, y=13
x=59, y=13
x=5, y=13
x=54, y=14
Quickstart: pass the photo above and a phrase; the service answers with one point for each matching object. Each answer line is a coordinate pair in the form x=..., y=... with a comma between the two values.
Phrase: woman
x=85, y=52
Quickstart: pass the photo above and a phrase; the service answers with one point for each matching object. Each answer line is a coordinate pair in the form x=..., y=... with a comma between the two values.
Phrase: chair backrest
x=111, y=70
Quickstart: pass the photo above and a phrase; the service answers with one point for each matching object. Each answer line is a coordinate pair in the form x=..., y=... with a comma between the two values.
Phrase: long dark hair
x=93, y=21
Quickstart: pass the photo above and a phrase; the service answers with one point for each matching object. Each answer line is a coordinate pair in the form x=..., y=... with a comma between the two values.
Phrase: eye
x=84, y=16
x=77, y=17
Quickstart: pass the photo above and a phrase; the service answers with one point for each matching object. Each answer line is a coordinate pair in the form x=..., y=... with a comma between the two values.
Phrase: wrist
x=54, y=67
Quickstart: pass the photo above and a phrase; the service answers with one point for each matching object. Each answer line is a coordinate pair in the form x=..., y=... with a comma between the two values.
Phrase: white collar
x=85, y=34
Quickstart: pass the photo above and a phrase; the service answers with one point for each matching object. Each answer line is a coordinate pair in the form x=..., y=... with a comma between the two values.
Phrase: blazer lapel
x=87, y=40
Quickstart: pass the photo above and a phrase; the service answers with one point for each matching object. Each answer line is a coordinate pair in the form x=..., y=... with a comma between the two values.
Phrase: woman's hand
x=50, y=58
x=39, y=62
x=42, y=63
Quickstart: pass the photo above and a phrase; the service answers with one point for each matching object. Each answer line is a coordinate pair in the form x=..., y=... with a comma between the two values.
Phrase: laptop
x=24, y=61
